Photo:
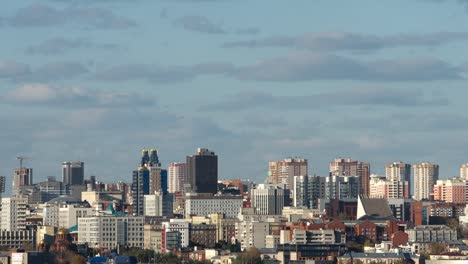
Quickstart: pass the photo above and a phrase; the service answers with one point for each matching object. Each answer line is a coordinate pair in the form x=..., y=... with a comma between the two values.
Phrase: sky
x=252, y=80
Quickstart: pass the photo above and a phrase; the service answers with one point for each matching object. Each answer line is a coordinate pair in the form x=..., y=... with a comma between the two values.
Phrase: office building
x=316, y=190
x=177, y=177
x=206, y=204
x=140, y=188
x=182, y=226
x=158, y=204
x=111, y=231
x=202, y=171
x=425, y=176
x=348, y=167
x=450, y=190
x=13, y=213
x=268, y=199
x=283, y=171
x=464, y=171
x=22, y=177
x=400, y=172
x=73, y=173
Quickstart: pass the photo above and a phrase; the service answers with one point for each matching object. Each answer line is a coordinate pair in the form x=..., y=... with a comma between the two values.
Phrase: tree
x=437, y=248
x=250, y=256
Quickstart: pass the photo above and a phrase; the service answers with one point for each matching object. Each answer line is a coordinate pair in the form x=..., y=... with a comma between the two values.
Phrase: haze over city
x=254, y=81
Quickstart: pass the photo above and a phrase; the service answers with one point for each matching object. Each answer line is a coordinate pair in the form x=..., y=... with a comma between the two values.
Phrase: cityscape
x=183, y=212
x=233, y=132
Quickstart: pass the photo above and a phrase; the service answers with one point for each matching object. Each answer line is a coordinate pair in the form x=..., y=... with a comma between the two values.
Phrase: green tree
x=250, y=256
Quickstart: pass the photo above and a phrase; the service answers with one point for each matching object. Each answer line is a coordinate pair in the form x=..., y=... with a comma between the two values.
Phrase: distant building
x=283, y=171
x=22, y=177
x=342, y=187
x=158, y=204
x=450, y=190
x=202, y=171
x=432, y=233
x=110, y=231
x=400, y=172
x=181, y=226
x=373, y=209
x=206, y=204
x=268, y=199
x=301, y=191
x=13, y=213
x=73, y=173
x=177, y=174
x=381, y=187
x=348, y=167
x=425, y=176
x=464, y=171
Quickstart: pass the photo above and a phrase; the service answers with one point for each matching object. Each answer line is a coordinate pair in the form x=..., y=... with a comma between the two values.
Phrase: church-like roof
x=374, y=209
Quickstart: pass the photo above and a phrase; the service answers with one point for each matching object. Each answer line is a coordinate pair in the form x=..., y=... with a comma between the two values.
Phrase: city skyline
x=97, y=81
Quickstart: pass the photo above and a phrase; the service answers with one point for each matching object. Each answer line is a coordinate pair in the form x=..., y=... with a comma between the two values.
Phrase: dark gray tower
x=73, y=173
x=202, y=171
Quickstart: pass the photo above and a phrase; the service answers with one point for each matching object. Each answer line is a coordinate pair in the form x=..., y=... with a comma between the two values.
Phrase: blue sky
x=255, y=80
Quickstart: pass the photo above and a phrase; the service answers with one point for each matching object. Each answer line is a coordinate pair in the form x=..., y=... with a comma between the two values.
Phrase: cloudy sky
x=253, y=80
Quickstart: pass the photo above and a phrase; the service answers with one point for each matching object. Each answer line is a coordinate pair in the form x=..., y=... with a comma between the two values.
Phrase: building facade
x=399, y=171
x=283, y=171
x=268, y=199
x=206, y=204
x=348, y=167
x=177, y=174
x=450, y=190
x=13, y=213
x=22, y=177
x=109, y=231
x=425, y=176
x=202, y=171
x=73, y=173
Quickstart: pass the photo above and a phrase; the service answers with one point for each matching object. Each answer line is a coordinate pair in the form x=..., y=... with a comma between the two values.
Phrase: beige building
x=349, y=167
x=399, y=171
x=177, y=177
x=153, y=237
x=464, y=171
x=283, y=171
x=425, y=176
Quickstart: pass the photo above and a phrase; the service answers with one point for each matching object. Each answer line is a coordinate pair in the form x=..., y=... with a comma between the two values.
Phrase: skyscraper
x=177, y=177
x=301, y=191
x=348, y=167
x=148, y=179
x=22, y=177
x=400, y=172
x=425, y=176
x=73, y=173
x=202, y=171
x=283, y=171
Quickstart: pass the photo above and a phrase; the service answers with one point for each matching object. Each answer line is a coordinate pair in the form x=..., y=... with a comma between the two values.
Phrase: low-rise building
x=431, y=233
x=206, y=204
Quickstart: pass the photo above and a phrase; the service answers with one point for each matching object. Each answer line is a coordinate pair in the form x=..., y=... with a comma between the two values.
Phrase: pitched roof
x=374, y=209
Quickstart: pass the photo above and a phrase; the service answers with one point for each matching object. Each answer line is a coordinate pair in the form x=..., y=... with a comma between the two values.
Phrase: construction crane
x=21, y=158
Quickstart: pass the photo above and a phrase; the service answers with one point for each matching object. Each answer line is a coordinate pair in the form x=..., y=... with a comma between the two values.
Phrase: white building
x=425, y=176
x=206, y=204
x=69, y=214
x=13, y=214
x=110, y=231
x=177, y=177
x=180, y=225
x=252, y=234
x=267, y=199
x=158, y=204
x=431, y=233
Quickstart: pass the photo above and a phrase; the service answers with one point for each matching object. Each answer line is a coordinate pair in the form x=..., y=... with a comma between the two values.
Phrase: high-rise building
x=464, y=171
x=283, y=171
x=316, y=190
x=268, y=199
x=158, y=204
x=148, y=179
x=73, y=173
x=177, y=177
x=22, y=177
x=381, y=187
x=202, y=171
x=342, y=187
x=450, y=190
x=13, y=214
x=425, y=176
x=301, y=191
x=348, y=167
x=401, y=172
